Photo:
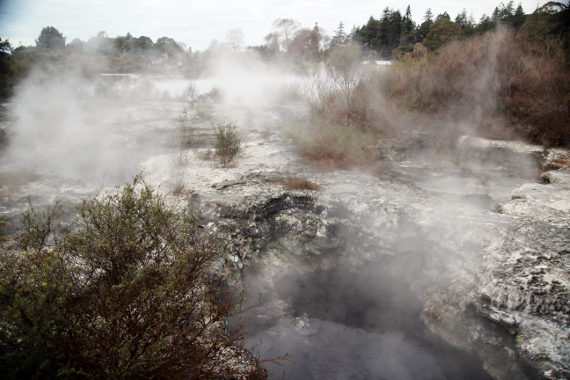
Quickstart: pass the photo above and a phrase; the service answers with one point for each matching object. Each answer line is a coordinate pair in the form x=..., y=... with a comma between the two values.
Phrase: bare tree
x=344, y=69
x=285, y=28
x=234, y=38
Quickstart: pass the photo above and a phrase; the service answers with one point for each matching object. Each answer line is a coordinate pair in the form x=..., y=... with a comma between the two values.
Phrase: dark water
x=357, y=325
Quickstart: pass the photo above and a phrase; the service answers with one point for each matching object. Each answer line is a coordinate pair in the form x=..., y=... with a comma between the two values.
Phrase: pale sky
x=197, y=23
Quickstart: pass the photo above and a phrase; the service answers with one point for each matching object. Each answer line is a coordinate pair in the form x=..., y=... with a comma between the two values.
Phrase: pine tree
x=429, y=15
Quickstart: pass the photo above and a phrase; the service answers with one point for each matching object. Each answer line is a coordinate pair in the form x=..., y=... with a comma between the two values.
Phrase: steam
x=100, y=129
x=67, y=126
x=246, y=81
x=332, y=350
x=353, y=322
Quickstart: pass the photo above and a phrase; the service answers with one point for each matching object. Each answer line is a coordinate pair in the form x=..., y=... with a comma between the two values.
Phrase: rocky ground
x=480, y=238
x=483, y=243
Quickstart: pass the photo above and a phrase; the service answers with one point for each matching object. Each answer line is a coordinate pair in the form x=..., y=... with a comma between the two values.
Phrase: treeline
x=394, y=33
x=100, y=54
x=388, y=37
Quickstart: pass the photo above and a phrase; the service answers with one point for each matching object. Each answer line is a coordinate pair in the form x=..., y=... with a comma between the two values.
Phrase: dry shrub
x=335, y=146
x=562, y=162
x=178, y=189
x=299, y=184
x=537, y=98
x=371, y=110
x=498, y=82
x=462, y=80
x=205, y=154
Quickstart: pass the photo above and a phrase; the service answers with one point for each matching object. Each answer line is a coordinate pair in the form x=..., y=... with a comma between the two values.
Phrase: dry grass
x=178, y=190
x=544, y=169
x=335, y=146
x=562, y=162
x=299, y=184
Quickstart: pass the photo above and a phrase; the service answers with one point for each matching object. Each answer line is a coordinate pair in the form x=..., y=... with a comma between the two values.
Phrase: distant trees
x=143, y=43
x=389, y=33
x=284, y=29
x=7, y=69
x=392, y=34
x=466, y=23
x=101, y=53
x=289, y=41
x=306, y=45
x=234, y=39
x=5, y=46
x=168, y=46
x=340, y=37
x=50, y=38
x=423, y=30
x=128, y=43
x=442, y=31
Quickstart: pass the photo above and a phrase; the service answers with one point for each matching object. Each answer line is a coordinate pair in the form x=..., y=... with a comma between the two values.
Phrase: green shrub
x=228, y=143
x=185, y=131
x=125, y=294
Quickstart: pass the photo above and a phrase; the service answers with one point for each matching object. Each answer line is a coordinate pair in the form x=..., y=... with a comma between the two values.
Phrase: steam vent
x=311, y=208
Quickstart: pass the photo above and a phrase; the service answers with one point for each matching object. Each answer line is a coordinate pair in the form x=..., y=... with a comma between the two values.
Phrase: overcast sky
x=198, y=22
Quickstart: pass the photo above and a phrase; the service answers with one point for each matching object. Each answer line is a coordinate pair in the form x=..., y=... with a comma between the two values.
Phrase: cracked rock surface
x=487, y=252
x=483, y=245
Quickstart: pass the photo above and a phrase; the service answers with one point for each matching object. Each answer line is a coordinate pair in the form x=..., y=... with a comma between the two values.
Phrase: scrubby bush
x=227, y=143
x=125, y=294
x=500, y=83
x=335, y=145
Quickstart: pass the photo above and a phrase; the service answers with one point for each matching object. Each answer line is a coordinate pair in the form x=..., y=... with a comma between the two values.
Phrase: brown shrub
x=335, y=146
x=537, y=97
x=498, y=82
x=299, y=184
x=178, y=189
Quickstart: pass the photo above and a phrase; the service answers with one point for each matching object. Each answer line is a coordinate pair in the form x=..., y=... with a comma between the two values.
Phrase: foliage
x=125, y=294
x=168, y=46
x=284, y=29
x=8, y=73
x=50, y=38
x=393, y=33
x=307, y=45
x=227, y=143
x=441, y=32
x=5, y=46
x=548, y=23
x=2, y=228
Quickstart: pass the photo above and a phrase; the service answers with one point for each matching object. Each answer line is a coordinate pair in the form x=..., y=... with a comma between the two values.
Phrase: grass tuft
x=294, y=183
